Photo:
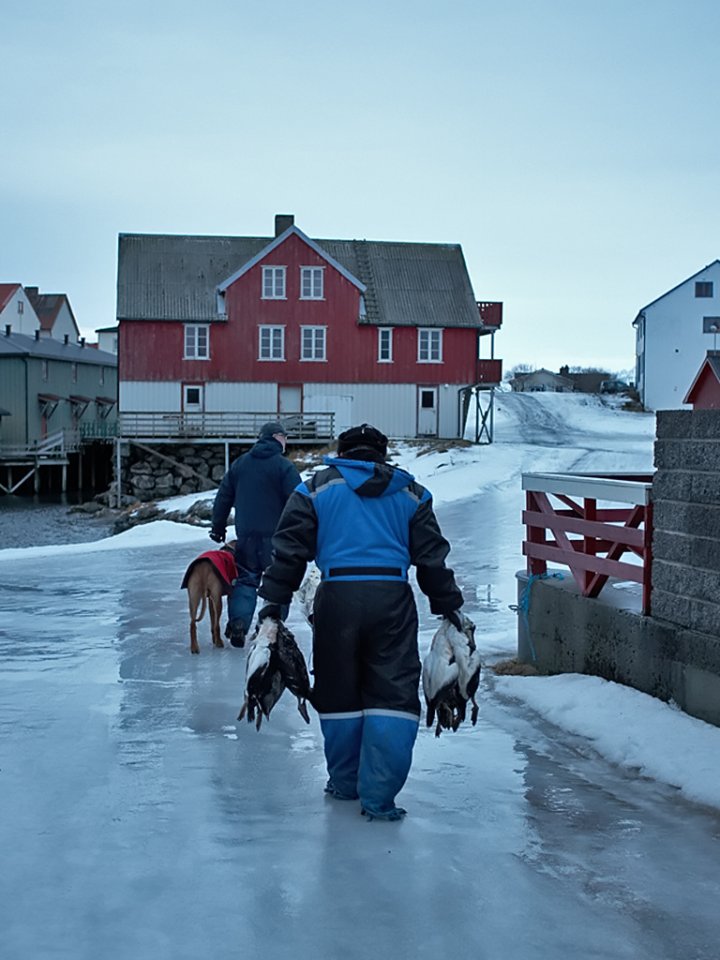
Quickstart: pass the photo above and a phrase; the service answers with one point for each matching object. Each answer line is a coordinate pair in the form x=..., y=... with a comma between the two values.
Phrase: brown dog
x=206, y=580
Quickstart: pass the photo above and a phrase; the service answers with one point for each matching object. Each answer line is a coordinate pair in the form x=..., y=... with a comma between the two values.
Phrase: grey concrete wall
x=686, y=542
x=560, y=631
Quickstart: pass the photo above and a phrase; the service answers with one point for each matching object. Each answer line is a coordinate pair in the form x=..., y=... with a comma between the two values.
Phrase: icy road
x=139, y=820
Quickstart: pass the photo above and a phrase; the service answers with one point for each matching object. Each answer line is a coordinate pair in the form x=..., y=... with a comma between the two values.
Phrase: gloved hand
x=272, y=611
x=218, y=536
x=456, y=619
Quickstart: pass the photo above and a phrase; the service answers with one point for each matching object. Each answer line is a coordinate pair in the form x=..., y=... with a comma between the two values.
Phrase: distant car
x=613, y=386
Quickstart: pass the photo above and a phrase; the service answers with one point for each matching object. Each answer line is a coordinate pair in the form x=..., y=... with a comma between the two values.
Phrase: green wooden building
x=59, y=406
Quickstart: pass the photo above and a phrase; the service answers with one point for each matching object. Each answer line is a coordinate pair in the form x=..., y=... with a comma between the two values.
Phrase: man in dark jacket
x=257, y=485
x=364, y=523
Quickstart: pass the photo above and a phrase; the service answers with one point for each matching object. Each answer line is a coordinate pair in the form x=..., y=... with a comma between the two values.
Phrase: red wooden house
x=381, y=332
x=704, y=392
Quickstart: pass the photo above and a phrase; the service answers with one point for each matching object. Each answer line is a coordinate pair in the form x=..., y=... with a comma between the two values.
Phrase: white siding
x=26, y=322
x=390, y=407
x=237, y=397
x=139, y=396
x=64, y=324
x=107, y=340
x=674, y=343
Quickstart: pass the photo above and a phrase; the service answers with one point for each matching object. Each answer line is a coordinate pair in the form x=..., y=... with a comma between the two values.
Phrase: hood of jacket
x=369, y=479
x=267, y=447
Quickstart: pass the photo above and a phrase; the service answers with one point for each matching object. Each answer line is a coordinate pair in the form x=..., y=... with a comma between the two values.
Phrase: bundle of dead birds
x=274, y=663
x=450, y=676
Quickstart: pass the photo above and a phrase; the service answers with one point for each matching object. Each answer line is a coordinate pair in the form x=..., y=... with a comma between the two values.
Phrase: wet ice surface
x=140, y=820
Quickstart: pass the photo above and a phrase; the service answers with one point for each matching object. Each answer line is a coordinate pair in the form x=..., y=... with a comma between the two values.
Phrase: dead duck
x=450, y=676
x=274, y=663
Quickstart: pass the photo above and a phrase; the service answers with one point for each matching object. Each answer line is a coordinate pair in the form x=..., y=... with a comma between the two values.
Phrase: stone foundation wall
x=172, y=471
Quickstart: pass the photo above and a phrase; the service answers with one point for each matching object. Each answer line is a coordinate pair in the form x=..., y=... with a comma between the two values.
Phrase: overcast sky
x=571, y=147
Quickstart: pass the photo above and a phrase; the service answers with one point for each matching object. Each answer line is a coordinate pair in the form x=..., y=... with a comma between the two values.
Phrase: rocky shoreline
x=199, y=514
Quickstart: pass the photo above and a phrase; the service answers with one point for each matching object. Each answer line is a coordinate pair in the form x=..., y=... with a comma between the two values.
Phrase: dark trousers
x=252, y=556
x=367, y=673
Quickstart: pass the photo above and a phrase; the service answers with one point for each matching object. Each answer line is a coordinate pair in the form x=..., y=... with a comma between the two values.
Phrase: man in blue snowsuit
x=257, y=485
x=364, y=523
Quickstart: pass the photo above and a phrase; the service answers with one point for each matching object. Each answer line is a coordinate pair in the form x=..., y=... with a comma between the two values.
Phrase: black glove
x=270, y=611
x=456, y=619
x=218, y=536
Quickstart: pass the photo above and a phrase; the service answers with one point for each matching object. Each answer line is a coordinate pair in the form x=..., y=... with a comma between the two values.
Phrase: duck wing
x=293, y=668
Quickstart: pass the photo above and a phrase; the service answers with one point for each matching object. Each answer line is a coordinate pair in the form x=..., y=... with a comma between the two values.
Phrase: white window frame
x=312, y=278
x=187, y=387
x=273, y=283
x=317, y=337
x=275, y=336
x=193, y=346
x=387, y=334
x=430, y=341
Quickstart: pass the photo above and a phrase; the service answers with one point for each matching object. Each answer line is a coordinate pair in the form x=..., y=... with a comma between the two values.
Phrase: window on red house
x=273, y=283
x=312, y=343
x=197, y=341
x=272, y=343
x=429, y=346
x=311, y=283
x=385, y=345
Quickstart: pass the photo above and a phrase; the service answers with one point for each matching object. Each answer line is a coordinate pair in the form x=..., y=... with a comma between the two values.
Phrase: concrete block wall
x=686, y=541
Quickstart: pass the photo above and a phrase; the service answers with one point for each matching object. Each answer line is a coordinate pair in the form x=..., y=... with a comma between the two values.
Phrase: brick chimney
x=283, y=221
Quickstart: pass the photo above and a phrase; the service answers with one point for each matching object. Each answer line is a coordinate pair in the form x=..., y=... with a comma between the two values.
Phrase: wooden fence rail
x=590, y=539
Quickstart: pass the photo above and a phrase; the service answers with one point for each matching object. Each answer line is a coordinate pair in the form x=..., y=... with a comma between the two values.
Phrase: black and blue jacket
x=361, y=520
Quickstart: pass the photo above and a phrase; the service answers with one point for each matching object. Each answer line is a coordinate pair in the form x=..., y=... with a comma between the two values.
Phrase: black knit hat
x=360, y=437
x=270, y=429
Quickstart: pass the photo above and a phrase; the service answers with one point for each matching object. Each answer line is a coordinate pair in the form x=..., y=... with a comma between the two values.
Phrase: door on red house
x=427, y=412
x=290, y=399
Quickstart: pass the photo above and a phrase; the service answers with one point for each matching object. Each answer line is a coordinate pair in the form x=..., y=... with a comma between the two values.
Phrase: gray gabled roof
x=20, y=345
x=174, y=277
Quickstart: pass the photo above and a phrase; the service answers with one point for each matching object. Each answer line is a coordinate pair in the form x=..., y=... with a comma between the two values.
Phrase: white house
x=57, y=319
x=107, y=338
x=673, y=334
x=16, y=310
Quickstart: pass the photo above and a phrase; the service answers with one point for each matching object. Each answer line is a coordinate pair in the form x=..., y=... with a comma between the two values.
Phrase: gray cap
x=270, y=429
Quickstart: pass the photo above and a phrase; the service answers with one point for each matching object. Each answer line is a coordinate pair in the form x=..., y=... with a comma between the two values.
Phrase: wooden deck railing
x=588, y=538
x=307, y=426
x=55, y=445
